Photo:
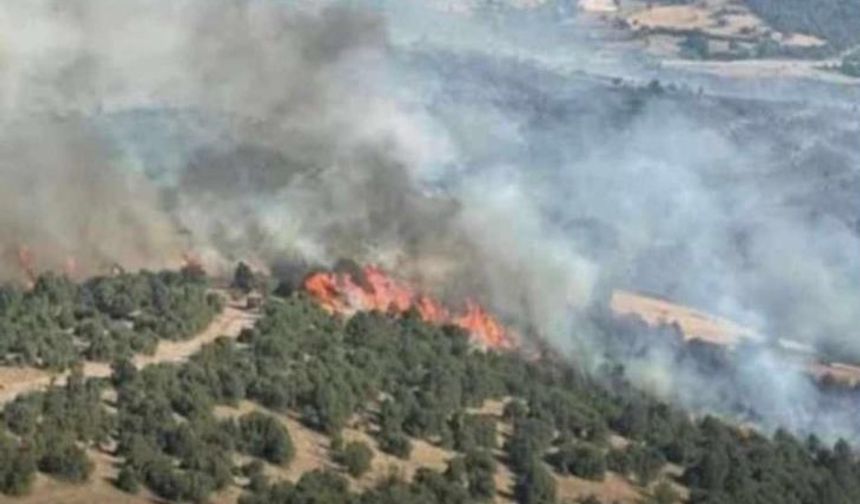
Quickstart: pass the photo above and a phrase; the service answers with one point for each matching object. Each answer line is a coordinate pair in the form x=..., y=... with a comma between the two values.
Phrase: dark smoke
x=496, y=158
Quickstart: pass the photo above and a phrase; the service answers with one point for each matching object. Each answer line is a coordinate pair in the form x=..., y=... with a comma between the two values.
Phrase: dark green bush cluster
x=356, y=457
x=59, y=322
x=408, y=380
x=49, y=431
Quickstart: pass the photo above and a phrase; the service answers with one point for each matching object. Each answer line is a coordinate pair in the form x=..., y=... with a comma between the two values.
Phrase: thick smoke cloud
x=63, y=201
x=308, y=145
x=467, y=158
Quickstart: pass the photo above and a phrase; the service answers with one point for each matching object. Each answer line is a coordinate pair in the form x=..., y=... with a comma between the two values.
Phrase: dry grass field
x=698, y=325
x=694, y=324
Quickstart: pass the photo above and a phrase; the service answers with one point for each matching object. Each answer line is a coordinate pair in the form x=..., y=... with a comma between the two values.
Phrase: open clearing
x=694, y=324
x=698, y=325
x=715, y=18
x=720, y=19
x=312, y=452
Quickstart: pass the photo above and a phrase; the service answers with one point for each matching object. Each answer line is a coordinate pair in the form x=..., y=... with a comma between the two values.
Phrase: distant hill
x=837, y=21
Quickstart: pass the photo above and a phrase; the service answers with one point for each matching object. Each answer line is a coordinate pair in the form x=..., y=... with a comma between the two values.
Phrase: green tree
x=65, y=460
x=480, y=474
x=535, y=485
x=17, y=467
x=127, y=480
x=264, y=436
x=582, y=460
x=663, y=493
x=530, y=439
x=331, y=406
x=396, y=443
x=356, y=457
x=473, y=431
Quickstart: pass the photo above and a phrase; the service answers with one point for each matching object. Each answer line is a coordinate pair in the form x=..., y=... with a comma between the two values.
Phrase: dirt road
x=230, y=322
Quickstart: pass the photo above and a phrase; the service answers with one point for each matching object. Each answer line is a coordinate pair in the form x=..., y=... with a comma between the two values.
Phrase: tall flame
x=479, y=322
x=343, y=293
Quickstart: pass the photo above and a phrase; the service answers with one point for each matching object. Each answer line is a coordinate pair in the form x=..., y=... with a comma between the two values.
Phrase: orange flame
x=343, y=294
x=482, y=325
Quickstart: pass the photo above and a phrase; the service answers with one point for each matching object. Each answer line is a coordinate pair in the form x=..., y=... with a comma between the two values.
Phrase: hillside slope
x=307, y=407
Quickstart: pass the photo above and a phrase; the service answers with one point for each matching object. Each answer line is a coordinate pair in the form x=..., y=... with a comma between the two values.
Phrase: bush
x=580, y=460
x=66, y=461
x=441, y=487
x=265, y=437
x=17, y=467
x=619, y=461
x=356, y=457
x=530, y=439
x=396, y=443
x=514, y=410
x=254, y=471
x=535, y=485
x=164, y=481
x=20, y=416
x=663, y=493
x=480, y=474
x=128, y=481
x=314, y=487
x=473, y=431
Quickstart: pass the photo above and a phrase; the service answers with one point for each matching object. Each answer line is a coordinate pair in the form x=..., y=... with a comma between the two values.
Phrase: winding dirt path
x=230, y=322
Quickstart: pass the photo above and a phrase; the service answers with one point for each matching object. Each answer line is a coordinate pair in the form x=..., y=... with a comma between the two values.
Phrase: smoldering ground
x=136, y=131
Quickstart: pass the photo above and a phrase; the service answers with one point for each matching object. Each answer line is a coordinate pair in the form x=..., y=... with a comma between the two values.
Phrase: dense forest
x=411, y=381
x=59, y=323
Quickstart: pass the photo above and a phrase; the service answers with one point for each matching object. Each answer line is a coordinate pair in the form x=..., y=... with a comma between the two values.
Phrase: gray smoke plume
x=65, y=202
x=495, y=154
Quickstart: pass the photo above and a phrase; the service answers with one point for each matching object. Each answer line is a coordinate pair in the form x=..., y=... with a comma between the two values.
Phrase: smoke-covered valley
x=467, y=159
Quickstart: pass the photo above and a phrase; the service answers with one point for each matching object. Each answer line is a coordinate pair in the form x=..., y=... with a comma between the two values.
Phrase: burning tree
x=349, y=289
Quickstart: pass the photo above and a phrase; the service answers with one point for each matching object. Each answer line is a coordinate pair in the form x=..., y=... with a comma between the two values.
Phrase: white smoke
x=468, y=157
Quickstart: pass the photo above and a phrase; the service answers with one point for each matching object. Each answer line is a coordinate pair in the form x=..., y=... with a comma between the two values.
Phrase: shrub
x=66, y=461
x=535, y=485
x=480, y=472
x=473, y=431
x=356, y=457
x=17, y=467
x=127, y=480
x=265, y=437
x=580, y=460
x=396, y=443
